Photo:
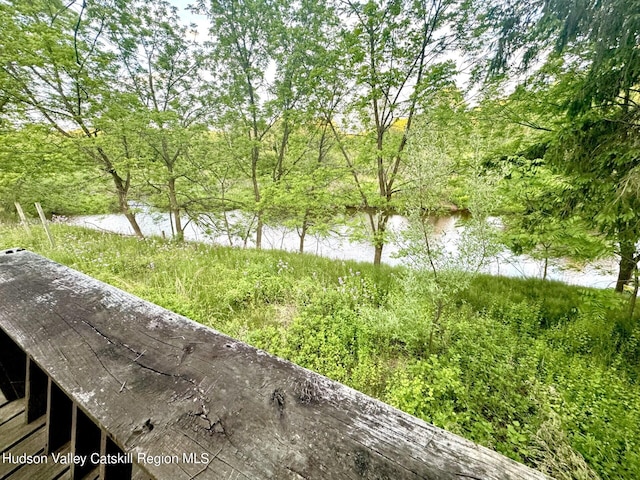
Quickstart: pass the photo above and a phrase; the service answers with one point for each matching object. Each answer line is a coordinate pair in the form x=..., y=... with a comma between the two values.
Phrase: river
x=340, y=244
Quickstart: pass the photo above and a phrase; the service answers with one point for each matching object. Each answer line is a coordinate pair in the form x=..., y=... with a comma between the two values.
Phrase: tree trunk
x=134, y=223
x=627, y=264
x=378, y=236
x=175, y=210
x=634, y=296
x=122, y=189
x=256, y=192
x=259, y=227
x=303, y=232
x=124, y=208
x=377, y=256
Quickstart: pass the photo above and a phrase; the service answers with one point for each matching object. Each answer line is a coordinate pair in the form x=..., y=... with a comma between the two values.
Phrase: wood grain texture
x=48, y=471
x=10, y=410
x=31, y=445
x=16, y=430
x=163, y=385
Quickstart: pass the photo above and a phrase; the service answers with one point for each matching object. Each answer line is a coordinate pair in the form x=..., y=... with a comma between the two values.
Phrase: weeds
x=543, y=372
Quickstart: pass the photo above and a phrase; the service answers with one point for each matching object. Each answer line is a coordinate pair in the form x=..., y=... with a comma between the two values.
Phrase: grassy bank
x=542, y=372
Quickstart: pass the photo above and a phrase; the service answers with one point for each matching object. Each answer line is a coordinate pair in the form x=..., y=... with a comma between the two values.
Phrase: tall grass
x=543, y=372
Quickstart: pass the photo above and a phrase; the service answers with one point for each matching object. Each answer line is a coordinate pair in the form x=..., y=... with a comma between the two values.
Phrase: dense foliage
x=591, y=77
x=293, y=111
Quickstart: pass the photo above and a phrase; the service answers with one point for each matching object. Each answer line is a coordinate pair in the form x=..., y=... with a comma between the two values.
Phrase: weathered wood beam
x=174, y=393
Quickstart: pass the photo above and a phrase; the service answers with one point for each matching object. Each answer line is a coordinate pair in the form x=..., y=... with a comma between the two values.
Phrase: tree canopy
x=294, y=112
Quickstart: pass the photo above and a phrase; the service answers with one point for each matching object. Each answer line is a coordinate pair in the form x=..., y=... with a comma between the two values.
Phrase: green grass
x=542, y=372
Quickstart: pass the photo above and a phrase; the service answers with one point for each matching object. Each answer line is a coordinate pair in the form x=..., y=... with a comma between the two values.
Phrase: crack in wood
x=214, y=426
x=114, y=342
x=293, y=470
x=92, y=327
x=159, y=372
x=278, y=400
x=86, y=342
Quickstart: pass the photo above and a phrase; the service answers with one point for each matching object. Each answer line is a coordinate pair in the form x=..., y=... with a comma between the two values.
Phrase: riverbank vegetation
x=292, y=112
x=543, y=372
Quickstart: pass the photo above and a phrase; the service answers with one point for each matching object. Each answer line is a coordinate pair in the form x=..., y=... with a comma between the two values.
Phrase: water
x=340, y=244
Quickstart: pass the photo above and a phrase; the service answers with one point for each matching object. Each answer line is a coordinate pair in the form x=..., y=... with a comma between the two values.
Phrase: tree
x=309, y=197
x=535, y=208
x=306, y=91
x=168, y=102
x=537, y=220
x=437, y=161
x=62, y=75
x=394, y=50
x=272, y=58
x=595, y=46
x=599, y=38
x=602, y=154
x=219, y=207
x=242, y=51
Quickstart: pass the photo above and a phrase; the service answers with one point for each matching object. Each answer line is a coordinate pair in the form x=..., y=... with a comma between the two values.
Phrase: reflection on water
x=342, y=244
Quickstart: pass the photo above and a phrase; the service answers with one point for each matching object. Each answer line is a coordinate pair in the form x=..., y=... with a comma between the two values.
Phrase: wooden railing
x=116, y=377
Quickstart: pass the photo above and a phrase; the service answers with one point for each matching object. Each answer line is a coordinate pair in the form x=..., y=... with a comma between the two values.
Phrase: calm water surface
x=340, y=244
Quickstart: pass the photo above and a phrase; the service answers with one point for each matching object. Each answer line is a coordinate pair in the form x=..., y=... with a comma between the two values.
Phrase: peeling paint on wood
x=162, y=385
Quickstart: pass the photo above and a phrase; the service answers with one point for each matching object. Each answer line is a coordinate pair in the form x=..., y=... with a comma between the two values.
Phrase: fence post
x=23, y=219
x=43, y=219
